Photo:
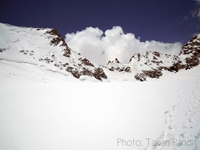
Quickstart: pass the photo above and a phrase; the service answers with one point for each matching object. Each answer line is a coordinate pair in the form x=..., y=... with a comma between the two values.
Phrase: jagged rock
x=56, y=38
x=148, y=73
x=111, y=69
x=99, y=73
x=135, y=56
x=75, y=73
x=191, y=51
x=116, y=65
x=152, y=73
x=86, y=62
x=116, y=60
x=64, y=65
x=140, y=77
x=86, y=72
x=191, y=62
x=127, y=69
x=156, y=53
x=2, y=49
x=175, y=67
x=67, y=53
x=69, y=69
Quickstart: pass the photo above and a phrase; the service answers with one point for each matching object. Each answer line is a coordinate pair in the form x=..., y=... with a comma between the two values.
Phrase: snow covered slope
x=41, y=110
x=46, y=48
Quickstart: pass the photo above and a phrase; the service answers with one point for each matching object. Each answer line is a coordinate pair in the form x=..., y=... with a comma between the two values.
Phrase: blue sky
x=160, y=20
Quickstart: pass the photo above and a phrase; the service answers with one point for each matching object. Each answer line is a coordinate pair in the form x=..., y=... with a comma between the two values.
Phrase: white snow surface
x=43, y=108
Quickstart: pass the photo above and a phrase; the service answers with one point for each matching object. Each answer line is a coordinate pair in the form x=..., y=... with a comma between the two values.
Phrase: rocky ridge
x=151, y=63
x=45, y=47
x=81, y=66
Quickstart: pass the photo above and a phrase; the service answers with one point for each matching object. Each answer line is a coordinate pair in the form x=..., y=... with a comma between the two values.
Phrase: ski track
x=21, y=62
x=177, y=134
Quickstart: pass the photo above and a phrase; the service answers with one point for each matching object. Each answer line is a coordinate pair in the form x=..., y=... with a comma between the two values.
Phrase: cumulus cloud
x=100, y=47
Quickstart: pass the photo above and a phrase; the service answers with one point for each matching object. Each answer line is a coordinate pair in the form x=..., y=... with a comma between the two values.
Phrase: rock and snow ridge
x=151, y=64
x=45, y=47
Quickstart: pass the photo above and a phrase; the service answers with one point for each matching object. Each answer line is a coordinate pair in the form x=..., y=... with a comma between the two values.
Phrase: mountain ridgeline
x=46, y=48
x=151, y=63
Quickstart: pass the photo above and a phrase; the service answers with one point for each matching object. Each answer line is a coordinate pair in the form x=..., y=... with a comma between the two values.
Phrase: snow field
x=51, y=113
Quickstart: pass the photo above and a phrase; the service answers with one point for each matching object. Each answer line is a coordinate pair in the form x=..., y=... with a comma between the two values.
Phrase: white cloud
x=100, y=47
x=196, y=12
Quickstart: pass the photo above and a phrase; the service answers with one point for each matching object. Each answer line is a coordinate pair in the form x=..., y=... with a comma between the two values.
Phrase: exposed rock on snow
x=46, y=47
x=116, y=65
x=151, y=64
x=191, y=52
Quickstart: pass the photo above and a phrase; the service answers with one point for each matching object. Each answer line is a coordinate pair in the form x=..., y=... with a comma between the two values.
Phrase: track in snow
x=183, y=135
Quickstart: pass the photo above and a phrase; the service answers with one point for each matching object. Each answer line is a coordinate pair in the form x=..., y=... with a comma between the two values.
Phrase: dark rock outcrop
x=191, y=52
x=2, y=49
